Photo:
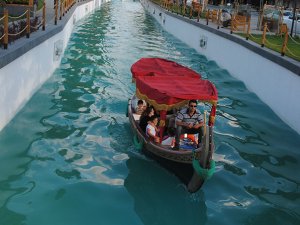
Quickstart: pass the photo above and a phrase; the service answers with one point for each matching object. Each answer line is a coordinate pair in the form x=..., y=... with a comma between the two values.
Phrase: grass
x=40, y=4
x=274, y=42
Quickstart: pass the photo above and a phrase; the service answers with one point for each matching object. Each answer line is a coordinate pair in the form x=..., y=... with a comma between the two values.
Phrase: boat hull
x=183, y=171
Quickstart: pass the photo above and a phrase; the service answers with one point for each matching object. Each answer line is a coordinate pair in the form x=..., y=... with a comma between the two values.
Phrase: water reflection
x=160, y=198
x=11, y=217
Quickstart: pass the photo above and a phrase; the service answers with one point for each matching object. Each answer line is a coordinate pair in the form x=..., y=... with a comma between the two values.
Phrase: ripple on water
x=69, y=151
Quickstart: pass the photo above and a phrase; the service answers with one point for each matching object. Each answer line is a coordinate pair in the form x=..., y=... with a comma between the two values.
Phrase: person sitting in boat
x=151, y=130
x=189, y=120
x=140, y=107
x=145, y=117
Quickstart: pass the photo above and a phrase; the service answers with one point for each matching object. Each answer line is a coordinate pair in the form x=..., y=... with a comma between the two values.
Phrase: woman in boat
x=146, y=117
x=152, y=130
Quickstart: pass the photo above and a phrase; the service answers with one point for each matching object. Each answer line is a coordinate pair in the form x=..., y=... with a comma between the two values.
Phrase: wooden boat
x=167, y=85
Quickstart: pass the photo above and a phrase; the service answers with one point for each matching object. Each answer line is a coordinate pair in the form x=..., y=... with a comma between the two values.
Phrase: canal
x=68, y=158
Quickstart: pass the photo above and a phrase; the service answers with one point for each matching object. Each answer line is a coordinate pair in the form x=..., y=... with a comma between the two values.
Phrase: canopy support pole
x=162, y=123
x=212, y=115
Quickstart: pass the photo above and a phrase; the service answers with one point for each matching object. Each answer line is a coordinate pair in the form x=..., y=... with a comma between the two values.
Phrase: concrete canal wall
x=28, y=63
x=275, y=79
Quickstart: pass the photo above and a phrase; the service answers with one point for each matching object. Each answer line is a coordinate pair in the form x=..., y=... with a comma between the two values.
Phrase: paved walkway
x=50, y=11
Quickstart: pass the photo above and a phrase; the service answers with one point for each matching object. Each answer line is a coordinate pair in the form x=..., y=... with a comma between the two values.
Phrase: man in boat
x=189, y=120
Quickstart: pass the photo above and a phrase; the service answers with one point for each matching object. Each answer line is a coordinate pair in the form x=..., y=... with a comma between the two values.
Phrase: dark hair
x=147, y=111
x=193, y=101
x=153, y=117
x=140, y=102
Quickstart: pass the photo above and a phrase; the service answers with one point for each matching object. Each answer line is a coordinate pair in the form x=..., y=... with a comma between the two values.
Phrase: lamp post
x=294, y=16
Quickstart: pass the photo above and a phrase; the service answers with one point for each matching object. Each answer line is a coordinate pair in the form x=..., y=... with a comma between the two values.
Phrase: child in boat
x=140, y=107
x=152, y=130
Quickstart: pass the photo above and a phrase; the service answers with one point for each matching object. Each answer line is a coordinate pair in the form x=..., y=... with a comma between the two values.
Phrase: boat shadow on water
x=159, y=199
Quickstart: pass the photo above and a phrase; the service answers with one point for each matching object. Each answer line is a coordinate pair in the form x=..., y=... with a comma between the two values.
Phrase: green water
x=68, y=158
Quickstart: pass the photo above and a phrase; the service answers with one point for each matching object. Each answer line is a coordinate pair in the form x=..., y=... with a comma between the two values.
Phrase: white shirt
x=150, y=129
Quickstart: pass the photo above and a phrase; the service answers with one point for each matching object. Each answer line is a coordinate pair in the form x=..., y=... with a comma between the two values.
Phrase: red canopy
x=159, y=66
x=166, y=85
x=165, y=93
